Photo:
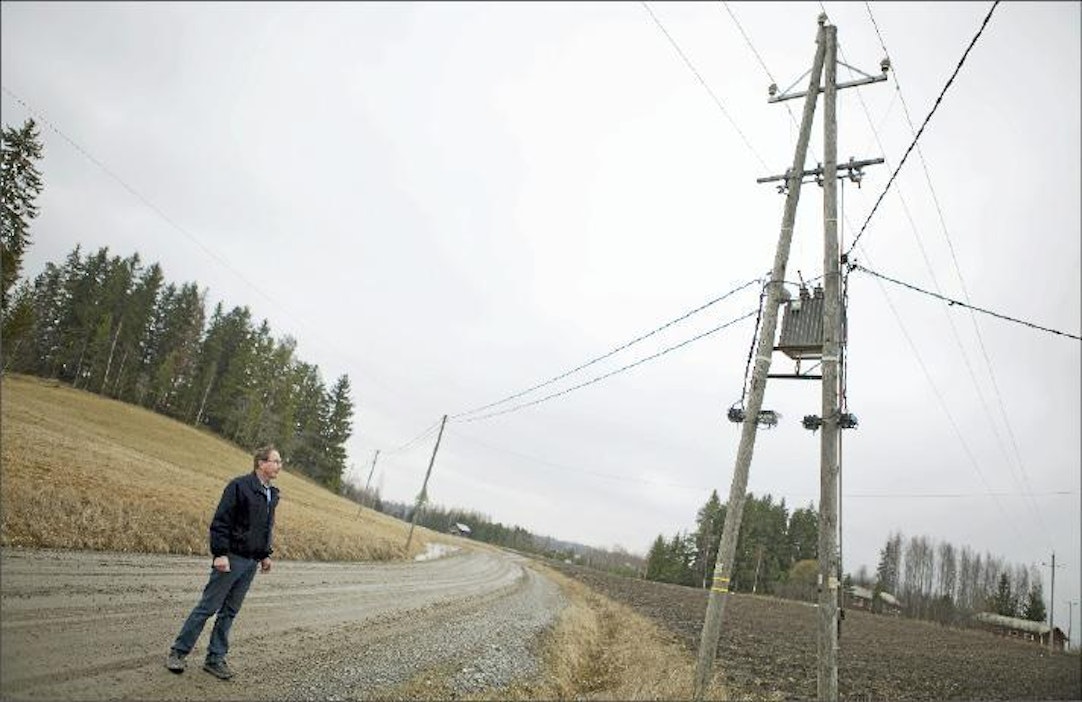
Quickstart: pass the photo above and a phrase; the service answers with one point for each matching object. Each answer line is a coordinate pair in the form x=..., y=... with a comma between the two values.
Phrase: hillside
x=83, y=472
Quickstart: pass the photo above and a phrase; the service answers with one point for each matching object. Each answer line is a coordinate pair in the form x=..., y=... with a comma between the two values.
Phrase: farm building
x=863, y=598
x=459, y=529
x=1020, y=628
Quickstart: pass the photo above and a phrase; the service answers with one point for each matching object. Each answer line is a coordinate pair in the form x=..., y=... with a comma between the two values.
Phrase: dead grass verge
x=597, y=650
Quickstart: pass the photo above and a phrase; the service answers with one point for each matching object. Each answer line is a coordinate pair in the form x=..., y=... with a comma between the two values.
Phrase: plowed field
x=768, y=649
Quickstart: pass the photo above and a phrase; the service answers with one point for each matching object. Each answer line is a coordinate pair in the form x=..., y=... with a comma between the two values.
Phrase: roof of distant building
x=866, y=594
x=1012, y=622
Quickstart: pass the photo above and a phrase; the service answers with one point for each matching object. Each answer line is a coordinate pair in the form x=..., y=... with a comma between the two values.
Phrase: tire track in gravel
x=82, y=625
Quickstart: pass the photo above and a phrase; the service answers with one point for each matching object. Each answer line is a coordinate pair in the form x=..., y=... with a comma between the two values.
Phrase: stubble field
x=768, y=649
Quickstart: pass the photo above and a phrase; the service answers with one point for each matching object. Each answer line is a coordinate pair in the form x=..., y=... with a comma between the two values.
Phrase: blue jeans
x=223, y=594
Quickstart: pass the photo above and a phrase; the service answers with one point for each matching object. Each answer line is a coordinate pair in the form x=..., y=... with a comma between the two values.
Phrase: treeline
x=944, y=583
x=770, y=543
x=116, y=327
x=482, y=528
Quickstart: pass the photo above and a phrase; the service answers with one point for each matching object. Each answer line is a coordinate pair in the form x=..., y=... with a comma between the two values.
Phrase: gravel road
x=87, y=625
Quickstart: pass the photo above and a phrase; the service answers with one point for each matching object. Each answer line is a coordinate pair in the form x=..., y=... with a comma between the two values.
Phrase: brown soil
x=768, y=649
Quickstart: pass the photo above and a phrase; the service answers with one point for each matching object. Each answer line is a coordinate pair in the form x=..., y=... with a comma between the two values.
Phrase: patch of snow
x=435, y=551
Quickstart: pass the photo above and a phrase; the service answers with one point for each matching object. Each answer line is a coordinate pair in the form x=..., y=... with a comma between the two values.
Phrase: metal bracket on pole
x=854, y=171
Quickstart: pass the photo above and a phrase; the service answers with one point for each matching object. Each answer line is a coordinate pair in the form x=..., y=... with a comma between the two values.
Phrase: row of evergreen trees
x=771, y=541
x=116, y=327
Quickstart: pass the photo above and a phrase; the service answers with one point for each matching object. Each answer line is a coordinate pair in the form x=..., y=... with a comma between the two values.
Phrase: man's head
x=267, y=462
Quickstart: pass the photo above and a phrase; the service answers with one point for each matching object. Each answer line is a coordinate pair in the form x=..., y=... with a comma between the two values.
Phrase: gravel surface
x=81, y=625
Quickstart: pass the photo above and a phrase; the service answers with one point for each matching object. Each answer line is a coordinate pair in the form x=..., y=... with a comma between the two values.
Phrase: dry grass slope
x=83, y=472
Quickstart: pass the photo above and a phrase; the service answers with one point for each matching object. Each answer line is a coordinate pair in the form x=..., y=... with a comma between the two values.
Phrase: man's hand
x=265, y=565
x=221, y=564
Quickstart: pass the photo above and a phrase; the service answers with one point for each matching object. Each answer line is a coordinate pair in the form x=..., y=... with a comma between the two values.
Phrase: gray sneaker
x=175, y=662
x=219, y=669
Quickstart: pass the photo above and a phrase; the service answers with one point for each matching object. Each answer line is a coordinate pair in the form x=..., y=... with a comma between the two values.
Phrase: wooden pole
x=828, y=457
x=723, y=567
x=424, y=487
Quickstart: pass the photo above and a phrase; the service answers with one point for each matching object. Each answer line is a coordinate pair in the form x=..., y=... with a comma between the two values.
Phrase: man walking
x=240, y=540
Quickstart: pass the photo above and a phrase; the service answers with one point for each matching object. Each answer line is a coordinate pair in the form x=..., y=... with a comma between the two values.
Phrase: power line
x=172, y=223
x=717, y=101
x=412, y=442
x=573, y=469
x=758, y=57
x=946, y=410
x=599, y=378
x=1017, y=456
x=603, y=356
x=951, y=301
x=913, y=144
x=139, y=196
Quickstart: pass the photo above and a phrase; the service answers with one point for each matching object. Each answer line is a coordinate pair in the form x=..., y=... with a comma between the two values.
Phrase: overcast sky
x=454, y=202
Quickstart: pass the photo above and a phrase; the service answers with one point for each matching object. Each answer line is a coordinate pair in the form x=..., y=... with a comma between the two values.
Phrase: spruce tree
x=1033, y=609
x=20, y=185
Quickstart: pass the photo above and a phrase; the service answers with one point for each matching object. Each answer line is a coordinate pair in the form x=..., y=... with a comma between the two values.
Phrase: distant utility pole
x=371, y=470
x=364, y=495
x=1070, y=621
x=723, y=566
x=831, y=421
x=424, y=487
x=1052, y=604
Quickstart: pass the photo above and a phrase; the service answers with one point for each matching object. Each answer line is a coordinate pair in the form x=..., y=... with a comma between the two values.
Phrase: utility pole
x=1052, y=604
x=370, y=471
x=828, y=456
x=364, y=495
x=831, y=344
x=723, y=567
x=1070, y=621
x=423, y=495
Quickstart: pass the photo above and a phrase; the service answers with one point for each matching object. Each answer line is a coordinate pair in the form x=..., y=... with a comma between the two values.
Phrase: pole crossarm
x=818, y=170
x=851, y=84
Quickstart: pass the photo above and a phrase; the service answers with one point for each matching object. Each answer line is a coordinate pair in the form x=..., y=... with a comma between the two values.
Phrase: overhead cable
x=603, y=356
x=915, y=350
x=139, y=196
x=599, y=378
x=747, y=40
x=1017, y=457
x=922, y=127
x=415, y=440
x=573, y=469
x=717, y=101
x=172, y=223
x=951, y=301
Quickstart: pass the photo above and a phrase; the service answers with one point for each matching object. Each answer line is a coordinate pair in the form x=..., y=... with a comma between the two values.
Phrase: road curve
x=88, y=625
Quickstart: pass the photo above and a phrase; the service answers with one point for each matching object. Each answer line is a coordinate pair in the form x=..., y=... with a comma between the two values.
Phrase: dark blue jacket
x=244, y=521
